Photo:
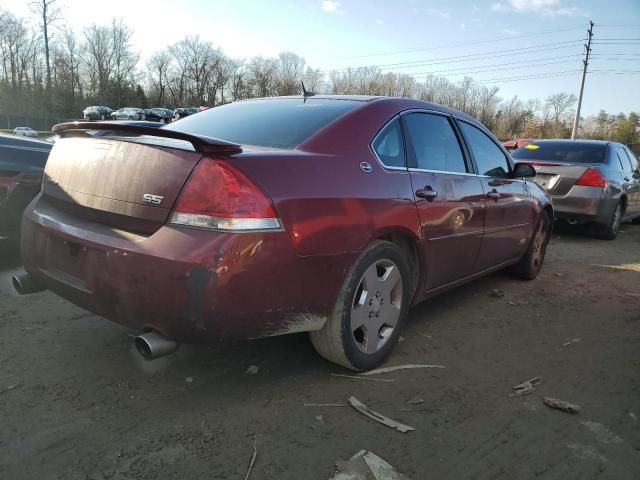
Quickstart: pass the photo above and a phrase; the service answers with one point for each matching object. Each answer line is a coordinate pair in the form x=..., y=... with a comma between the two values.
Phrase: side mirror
x=636, y=174
x=523, y=170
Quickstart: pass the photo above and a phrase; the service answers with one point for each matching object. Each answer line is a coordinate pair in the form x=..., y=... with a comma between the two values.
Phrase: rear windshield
x=278, y=123
x=566, y=152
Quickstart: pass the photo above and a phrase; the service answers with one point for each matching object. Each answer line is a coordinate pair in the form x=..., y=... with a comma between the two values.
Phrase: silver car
x=25, y=132
x=590, y=181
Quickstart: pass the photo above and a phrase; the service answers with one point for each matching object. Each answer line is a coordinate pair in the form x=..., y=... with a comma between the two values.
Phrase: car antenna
x=305, y=93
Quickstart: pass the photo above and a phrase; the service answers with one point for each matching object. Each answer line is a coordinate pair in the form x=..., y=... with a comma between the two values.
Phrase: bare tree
x=47, y=13
x=559, y=106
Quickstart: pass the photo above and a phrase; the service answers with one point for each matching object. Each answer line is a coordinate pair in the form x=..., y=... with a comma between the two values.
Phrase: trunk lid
x=126, y=184
x=557, y=178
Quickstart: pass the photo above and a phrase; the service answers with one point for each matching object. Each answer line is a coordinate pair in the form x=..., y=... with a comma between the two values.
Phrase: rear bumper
x=583, y=205
x=190, y=285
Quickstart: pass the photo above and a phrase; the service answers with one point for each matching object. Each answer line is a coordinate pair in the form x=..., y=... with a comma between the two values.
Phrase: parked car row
x=385, y=202
x=164, y=115
x=25, y=132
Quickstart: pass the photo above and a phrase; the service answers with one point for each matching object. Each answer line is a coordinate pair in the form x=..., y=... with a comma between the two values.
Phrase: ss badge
x=153, y=199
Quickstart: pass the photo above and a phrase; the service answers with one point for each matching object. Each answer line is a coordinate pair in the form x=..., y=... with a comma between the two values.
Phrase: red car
x=328, y=215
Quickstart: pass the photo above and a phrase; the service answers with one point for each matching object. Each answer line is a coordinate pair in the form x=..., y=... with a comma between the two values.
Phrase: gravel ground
x=84, y=406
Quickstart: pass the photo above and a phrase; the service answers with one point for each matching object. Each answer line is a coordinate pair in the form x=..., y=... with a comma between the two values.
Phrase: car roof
x=564, y=141
x=402, y=102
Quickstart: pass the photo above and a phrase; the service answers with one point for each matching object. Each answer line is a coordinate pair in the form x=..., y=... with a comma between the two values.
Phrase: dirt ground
x=84, y=406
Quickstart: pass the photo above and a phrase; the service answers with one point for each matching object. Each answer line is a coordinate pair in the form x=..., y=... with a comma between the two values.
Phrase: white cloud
x=548, y=8
x=379, y=22
x=330, y=6
x=509, y=31
x=463, y=26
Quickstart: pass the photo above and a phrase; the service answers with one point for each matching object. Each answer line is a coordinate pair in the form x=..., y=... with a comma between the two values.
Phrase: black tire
x=636, y=221
x=337, y=341
x=531, y=262
x=611, y=229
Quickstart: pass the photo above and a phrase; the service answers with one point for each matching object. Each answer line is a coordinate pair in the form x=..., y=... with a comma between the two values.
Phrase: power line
x=462, y=44
x=463, y=70
x=474, y=56
x=562, y=73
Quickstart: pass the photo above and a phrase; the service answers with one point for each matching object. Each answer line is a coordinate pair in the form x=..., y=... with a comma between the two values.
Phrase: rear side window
x=489, y=157
x=279, y=123
x=623, y=160
x=389, y=146
x=433, y=143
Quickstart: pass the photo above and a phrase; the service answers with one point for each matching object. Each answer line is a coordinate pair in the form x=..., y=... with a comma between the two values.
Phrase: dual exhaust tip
x=150, y=345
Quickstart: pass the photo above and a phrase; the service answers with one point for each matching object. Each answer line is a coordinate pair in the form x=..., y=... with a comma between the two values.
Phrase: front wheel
x=531, y=262
x=370, y=309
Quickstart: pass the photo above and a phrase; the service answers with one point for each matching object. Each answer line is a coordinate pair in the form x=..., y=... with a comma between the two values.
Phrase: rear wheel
x=369, y=311
x=610, y=230
x=531, y=262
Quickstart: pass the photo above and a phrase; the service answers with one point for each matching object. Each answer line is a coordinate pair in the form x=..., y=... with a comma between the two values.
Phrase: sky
x=496, y=42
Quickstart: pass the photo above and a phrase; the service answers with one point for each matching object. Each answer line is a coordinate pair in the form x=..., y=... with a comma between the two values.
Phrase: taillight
x=218, y=196
x=592, y=178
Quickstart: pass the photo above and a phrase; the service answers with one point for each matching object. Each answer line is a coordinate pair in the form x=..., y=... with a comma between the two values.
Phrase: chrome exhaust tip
x=152, y=345
x=573, y=221
x=26, y=284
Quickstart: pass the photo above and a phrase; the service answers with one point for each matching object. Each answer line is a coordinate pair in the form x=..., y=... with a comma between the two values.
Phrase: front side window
x=632, y=159
x=433, y=143
x=389, y=146
x=490, y=159
x=623, y=160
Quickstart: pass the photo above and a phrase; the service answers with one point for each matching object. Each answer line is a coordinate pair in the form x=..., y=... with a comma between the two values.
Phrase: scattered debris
x=10, y=387
x=400, y=339
x=362, y=408
x=633, y=415
x=253, y=458
x=513, y=304
x=497, y=293
x=325, y=405
x=366, y=465
x=561, y=405
x=253, y=369
x=399, y=367
x=363, y=378
x=633, y=294
x=189, y=379
x=573, y=340
x=558, y=274
x=415, y=400
x=526, y=387
x=319, y=418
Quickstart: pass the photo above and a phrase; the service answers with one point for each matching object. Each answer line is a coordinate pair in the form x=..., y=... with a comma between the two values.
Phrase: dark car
x=128, y=113
x=21, y=166
x=163, y=115
x=182, y=112
x=328, y=215
x=97, y=113
x=590, y=181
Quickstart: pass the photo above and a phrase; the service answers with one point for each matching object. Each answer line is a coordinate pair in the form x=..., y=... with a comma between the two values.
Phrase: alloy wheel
x=538, y=244
x=376, y=306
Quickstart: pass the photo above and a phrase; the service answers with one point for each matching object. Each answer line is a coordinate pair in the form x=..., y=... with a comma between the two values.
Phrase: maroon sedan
x=328, y=215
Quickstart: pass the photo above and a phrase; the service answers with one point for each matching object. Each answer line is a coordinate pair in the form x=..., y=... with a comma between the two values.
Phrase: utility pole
x=585, y=62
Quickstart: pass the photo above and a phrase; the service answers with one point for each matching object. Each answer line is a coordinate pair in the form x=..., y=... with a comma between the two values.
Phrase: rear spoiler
x=200, y=143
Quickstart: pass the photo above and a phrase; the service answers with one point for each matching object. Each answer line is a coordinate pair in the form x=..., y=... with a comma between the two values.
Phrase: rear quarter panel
x=327, y=204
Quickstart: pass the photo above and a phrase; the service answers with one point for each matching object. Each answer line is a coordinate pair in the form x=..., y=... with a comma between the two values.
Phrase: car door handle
x=494, y=195
x=626, y=179
x=427, y=194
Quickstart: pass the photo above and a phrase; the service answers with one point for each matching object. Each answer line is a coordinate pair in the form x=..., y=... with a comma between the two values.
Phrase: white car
x=25, y=132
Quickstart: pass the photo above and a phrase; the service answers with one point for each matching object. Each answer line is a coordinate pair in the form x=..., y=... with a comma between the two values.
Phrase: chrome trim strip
x=426, y=170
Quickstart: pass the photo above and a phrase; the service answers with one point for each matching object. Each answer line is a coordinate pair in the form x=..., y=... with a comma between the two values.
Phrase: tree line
x=47, y=68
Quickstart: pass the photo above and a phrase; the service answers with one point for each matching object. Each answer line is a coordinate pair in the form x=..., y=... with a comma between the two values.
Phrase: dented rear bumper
x=190, y=285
